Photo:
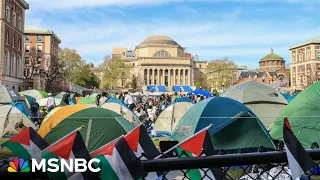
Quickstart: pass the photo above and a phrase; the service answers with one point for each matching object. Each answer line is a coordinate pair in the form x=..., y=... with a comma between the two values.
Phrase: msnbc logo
x=18, y=165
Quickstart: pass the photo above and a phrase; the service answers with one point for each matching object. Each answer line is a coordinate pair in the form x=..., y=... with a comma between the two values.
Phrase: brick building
x=271, y=71
x=12, y=20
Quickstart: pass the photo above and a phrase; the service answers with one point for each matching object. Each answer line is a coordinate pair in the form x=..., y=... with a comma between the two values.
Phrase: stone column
x=179, y=77
x=183, y=77
x=158, y=77
x=148, y=78
x=174, y=77
x=163, y=77
x=189, y=77
x=152, y=81
x=169, y=77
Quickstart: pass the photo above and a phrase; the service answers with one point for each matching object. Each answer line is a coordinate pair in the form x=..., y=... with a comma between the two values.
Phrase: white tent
x=169, y=117
x=9, y=116
x=123, y=111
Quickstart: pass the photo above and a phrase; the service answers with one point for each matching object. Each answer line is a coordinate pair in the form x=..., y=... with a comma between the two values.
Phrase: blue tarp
x=288, y=97
x=200, y=91
x=184, y=99
x=115, y=100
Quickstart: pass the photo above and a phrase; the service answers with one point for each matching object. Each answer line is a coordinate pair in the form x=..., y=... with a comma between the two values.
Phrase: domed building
x=272, y=70
x=160, y=64
x=272, y=62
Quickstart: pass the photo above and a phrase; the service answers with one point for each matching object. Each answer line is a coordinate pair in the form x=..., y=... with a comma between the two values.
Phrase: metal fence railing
x=247, y=166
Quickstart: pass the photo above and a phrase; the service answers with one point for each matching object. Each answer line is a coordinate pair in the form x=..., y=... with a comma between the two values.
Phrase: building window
x=13, y=41
x=293, y=59
x=20, y=24
x=26, y=60
x=308, y=55
x=294, y=70
x=14, y=19
x=7, y=13
x=27, y=47
x=27, y=38
x=19, y=89
x=39, y=38
x=18, y=66
x=317, y=47
x=19, y=44
x=13, y=87
x=318, y=55
x=13, y=57
x=7, y=37
x=162, y=53
x=6, y=61
x=39, y=48
x=301, y=57
x=200, y=66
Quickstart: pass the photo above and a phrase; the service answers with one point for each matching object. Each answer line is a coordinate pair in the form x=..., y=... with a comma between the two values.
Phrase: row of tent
x=242, y=116
x=234, y=124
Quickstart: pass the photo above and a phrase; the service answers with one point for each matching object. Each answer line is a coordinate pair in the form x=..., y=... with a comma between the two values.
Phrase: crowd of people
x=147, y=108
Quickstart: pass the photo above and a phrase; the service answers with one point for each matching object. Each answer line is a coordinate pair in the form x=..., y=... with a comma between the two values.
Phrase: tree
x=33, y=66
x=201, y=82
x=53, y=74
x=220, y=73
x=134, y=83
x=71, y=62
x=114, y=70
x=85, y=78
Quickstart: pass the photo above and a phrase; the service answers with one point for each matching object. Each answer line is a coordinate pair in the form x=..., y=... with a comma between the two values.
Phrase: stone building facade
x=305, y=63
x=12, y=20
x=160, y=61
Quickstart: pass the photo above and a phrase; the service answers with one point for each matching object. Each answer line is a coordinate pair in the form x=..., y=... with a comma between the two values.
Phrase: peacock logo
x=18, y=165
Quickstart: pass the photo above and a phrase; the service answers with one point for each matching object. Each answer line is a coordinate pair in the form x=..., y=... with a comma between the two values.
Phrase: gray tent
x=8, y=95
x=169, y=117
x=265, y=101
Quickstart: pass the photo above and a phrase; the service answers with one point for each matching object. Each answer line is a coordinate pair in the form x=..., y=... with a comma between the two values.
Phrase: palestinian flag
x=143, y=147
x=26, y=144
x=68, y=148
x=298, y=158
x=118, y=162
x=199, y=145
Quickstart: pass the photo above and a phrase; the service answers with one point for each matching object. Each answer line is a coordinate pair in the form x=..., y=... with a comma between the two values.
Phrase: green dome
x=272, y=56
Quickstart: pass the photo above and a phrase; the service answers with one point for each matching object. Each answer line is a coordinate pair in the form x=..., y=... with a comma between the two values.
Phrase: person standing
x=103, y=98
x=51, y=104
x=129, y=101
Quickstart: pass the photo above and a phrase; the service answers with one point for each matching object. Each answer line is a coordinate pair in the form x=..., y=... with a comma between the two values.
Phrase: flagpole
x=106, y=144
x=133, y=129
x=78, y=129
x=206, y=128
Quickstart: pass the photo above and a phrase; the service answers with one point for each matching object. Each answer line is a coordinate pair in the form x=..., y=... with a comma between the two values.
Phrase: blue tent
x=234, y=126
x=200, y=91
x=115, y=100
x=288, y=97
x=184, y=99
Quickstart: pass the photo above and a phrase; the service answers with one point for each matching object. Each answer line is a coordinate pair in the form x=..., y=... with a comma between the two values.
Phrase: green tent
x=234, y=126
x=87, y=100
x=303, y=114
x=100, y=125
x=265, y=101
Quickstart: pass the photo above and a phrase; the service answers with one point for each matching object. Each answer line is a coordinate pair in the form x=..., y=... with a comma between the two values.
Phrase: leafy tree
x=134, y=83
x=220, y=73
x=114, y=70
x=85, y=78
x=71, y=62
x=201, y=82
